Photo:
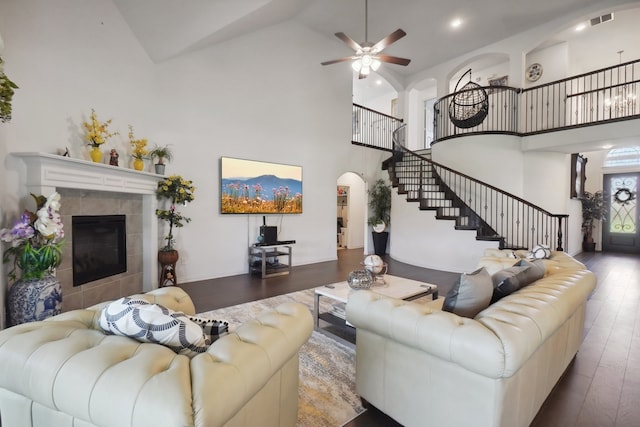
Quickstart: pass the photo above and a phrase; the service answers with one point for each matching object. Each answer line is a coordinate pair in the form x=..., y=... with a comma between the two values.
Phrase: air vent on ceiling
x=601, y=19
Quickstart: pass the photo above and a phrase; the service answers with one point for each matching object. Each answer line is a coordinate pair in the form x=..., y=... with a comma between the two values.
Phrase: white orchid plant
x=36, y=239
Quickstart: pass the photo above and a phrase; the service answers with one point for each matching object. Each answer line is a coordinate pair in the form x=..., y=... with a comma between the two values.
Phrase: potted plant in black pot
x=592, y=211
x=161, y=153
x=380, y=204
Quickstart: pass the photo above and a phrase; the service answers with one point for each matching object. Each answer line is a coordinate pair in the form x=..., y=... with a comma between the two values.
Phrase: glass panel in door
x=620, y=228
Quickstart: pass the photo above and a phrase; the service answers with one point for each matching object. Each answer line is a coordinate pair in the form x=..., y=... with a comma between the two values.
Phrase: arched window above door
x=627, y=156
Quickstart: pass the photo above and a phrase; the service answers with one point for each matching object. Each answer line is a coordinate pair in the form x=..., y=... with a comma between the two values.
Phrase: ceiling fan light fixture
x=368, y=55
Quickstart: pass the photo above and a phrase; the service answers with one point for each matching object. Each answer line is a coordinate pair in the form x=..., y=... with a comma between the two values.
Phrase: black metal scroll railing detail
x=501, y=118
x=475, y=205
x=606, y=95
x=372, y=128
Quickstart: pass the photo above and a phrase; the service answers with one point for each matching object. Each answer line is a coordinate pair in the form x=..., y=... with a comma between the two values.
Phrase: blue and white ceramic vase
x=30, y=300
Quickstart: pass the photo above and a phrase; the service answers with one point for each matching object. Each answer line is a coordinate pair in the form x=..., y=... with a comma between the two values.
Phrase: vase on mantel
x=31, y=300
x=138, y=164
x=96, y=155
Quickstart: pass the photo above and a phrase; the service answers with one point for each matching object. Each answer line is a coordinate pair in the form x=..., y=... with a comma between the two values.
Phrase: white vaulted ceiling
x=169, y=28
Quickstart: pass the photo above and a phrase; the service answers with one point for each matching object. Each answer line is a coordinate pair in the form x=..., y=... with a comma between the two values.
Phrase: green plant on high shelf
x=7, y=89
x=161, y=152
x=174, y=191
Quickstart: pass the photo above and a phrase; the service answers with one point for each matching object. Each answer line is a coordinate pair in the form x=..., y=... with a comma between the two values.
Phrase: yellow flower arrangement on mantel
x=96, y=134
x=140, y=150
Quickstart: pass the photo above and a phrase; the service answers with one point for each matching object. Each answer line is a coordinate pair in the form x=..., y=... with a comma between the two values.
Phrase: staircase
x=471, y=204
x=420, y=184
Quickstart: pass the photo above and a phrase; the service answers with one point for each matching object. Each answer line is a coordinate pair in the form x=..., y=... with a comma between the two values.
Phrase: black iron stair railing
x=473, y=204
x=606, y=95
x=372, y=128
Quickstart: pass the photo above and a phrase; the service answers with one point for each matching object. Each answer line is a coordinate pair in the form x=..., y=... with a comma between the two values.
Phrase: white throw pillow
x=154, y=323
x=540, y=252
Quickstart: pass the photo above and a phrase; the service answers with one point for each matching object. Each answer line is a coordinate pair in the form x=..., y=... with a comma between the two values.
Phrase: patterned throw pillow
x=153, y=323
x=540, y=252
x=211, y=328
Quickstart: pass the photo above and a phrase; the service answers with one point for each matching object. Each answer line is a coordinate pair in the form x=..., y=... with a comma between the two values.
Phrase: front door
x=620, y=231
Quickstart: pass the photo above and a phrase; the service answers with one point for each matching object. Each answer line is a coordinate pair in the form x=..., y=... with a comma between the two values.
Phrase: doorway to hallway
x=350, y=211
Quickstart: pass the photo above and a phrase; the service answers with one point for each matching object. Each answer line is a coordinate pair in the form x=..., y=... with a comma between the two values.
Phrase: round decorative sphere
x=360, y=279
x=374, y=264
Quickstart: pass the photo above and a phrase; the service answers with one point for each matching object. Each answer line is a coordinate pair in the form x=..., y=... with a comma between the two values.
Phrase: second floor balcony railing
x=373, y=128
x=606, y=95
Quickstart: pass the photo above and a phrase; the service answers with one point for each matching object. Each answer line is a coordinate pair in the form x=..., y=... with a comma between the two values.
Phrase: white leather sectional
x=423, y=366
x=65, y=372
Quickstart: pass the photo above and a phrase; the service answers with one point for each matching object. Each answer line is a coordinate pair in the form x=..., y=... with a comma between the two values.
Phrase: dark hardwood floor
x=226, y=291
x=600, y=388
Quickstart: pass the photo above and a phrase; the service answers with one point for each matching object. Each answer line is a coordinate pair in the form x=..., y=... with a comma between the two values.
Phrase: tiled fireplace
x=88, y=188
x=82, y=202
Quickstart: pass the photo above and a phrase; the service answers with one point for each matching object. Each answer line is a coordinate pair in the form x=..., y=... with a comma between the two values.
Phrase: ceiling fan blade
x=349, y=41
x=391, y=38
x=335, y=61
x=393, y=59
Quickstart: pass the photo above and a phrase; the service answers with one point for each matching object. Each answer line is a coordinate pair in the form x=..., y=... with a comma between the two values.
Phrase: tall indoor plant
x=592, y=211
x=173, y=191
x=380, y=204
x=36, y=240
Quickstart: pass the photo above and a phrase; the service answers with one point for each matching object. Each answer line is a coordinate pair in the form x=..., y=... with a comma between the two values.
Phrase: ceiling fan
x=368, y=56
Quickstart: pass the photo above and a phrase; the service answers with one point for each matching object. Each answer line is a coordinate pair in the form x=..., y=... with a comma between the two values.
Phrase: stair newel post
x=420, y=188
x=559, y=248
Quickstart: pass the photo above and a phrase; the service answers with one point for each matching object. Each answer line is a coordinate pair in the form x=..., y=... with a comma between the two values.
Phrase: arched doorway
x=350, y=211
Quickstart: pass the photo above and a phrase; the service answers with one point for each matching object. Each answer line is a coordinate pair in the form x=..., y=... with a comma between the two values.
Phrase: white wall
x=554, y=61
x=597, y=46
x=420, y=239
x=75, y=55
x=494, y=159
x=546, y=180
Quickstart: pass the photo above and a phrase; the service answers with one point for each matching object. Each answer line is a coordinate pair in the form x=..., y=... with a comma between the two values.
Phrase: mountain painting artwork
x=256, y=187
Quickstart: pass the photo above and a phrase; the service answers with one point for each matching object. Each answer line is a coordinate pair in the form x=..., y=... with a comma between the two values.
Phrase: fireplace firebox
x=99, y=247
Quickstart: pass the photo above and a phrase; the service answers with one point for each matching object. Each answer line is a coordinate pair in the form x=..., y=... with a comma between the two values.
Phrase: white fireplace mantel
x=45, y=173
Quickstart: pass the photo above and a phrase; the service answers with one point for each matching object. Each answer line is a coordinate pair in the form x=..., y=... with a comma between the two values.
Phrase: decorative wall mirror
x=578, y=175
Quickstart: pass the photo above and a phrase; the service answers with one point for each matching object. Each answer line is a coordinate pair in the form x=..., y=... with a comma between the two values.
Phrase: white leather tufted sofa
x=65, y=372
x=423, y=366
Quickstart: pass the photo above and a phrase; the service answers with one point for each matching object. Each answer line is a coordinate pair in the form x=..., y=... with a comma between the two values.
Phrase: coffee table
x=338, y=293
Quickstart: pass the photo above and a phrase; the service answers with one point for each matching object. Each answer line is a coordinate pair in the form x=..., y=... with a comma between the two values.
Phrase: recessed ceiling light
x=378, y=82
x=607, y=146
x=457, y=22
x=580, y=27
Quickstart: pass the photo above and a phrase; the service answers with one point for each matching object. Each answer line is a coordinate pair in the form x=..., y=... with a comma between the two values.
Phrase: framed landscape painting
x=256, y=187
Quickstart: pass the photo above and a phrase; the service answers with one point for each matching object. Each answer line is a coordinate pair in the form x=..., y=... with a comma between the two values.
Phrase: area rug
x=327, y=367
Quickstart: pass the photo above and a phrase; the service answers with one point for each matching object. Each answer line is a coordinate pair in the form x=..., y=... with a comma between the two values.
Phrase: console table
x=270, y=260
